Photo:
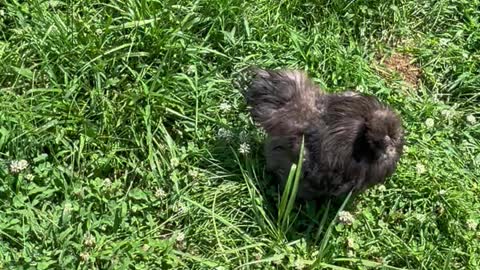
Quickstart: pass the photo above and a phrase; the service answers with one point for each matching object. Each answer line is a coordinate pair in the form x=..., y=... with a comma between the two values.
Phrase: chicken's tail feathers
x=282, y=102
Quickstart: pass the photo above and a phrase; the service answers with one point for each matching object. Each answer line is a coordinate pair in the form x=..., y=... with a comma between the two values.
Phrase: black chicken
x=352, y=141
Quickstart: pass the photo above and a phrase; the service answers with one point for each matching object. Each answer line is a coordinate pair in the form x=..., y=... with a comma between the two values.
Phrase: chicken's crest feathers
x=282, y=102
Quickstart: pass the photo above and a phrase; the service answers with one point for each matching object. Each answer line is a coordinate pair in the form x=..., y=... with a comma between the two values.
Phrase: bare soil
x=403, y=65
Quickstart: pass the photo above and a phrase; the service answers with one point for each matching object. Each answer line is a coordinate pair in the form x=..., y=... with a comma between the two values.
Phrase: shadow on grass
x=311, y=221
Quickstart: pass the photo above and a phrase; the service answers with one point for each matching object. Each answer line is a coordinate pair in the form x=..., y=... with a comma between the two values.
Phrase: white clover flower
x=174, y=162
x=299, y=264
x=472, y=224
x=350, y=243
x=278, y=259
x=29, y=177
x=359, y=88
x=421, y=168
x=244, y=148
x=145, y=247
x=381, y=188
x=420, y=217
x=84, y=256
x=439, y=208
x=67, y=208
x=471, y=119
x=258, y=256
x=350, y=253
x=18, y=165
x=225, y=107
x=194, y=174
x=429, y=123
x=160, y=193
x=447, y=113
x=191, y=69
x=346, y=218
x=89, y=240
x=224, y=134
x=107, y=182
x=180, y=237
x=442, y=192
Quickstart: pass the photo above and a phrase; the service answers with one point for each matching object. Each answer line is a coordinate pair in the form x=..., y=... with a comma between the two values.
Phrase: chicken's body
x=352, y=141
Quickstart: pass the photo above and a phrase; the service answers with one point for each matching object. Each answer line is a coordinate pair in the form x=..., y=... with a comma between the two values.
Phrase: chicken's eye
x=377, y=144
x=381, y=144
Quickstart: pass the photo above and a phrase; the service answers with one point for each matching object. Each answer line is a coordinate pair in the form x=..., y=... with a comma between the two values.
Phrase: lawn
x=125, y=142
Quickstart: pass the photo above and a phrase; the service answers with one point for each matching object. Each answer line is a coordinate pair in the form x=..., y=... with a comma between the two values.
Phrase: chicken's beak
x=390, y=151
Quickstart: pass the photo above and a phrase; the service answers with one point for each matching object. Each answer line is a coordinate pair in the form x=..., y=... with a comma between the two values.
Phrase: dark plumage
x=352, y=141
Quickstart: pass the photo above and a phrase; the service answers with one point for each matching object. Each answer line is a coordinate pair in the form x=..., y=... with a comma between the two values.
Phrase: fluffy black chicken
x=352, y=141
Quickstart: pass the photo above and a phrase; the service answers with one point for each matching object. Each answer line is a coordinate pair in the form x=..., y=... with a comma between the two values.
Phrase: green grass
x=121, y=110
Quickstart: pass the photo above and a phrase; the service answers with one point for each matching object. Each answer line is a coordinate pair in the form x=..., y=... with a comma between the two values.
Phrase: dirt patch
x=402, y=64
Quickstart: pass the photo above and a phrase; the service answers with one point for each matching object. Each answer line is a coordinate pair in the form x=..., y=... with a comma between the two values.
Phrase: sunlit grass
x=141, y=153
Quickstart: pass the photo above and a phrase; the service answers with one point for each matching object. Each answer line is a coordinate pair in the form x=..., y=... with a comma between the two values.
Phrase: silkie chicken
x=352, y=141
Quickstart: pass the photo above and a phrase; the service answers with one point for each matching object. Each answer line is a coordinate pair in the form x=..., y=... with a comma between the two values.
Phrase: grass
x=131, y=120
